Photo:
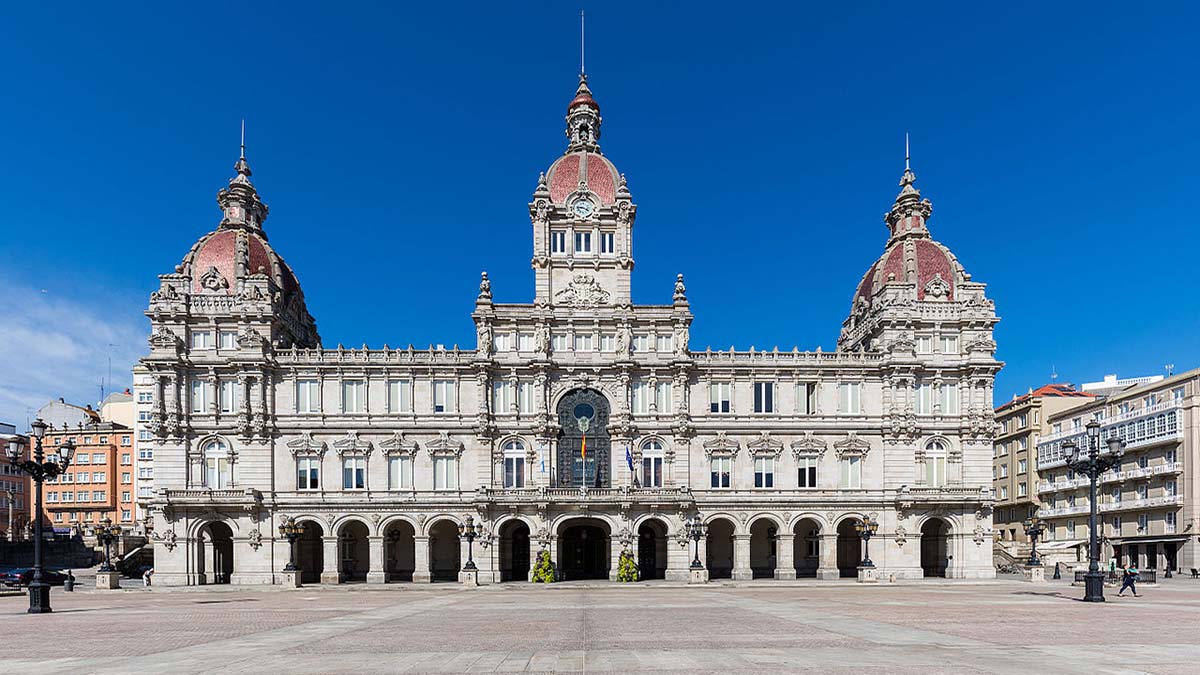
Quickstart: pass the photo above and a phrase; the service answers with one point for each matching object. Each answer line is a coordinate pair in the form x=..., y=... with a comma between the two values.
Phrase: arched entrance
x=652, y=549
x=763, y=540
x=444, y=551
x=806, y=548
x=514, y=551
x=310, y=552
x=849, y=548
x=719, y=545
x=935, y=547
x=354, y=553
x=583, y=550
x=215, y=563
x=399, y=551
x=584, y=447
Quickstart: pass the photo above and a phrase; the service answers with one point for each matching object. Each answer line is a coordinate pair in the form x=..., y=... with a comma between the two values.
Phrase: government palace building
x=581, y=424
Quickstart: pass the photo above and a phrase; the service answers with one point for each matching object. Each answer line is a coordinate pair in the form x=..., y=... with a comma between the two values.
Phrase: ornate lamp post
x=1091, y=464
x=696, y=530
x=469, y=532
x=866, y=528
x=1034, y=527
x=39, y=469
x=106, y=533
x=291, y=530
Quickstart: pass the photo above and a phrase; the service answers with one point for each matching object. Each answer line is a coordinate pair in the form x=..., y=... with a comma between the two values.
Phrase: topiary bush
x=627, y=569
x=543, y=569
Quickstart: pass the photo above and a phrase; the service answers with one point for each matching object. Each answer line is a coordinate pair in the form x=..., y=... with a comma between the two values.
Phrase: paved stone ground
x=753, y=627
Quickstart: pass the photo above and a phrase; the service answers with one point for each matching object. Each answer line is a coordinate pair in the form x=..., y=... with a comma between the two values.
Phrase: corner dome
x=221, y=260
x=583, y=169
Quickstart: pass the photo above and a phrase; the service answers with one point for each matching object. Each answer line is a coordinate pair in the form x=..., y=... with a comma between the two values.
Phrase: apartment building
x=99, y=482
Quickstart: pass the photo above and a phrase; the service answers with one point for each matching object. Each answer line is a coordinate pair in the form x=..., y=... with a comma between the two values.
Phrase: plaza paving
x=753, y=627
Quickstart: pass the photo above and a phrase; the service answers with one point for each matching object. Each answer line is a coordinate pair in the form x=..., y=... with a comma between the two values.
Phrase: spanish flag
x=583, y=448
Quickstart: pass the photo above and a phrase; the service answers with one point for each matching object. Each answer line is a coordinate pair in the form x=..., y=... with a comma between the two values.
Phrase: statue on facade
x=485, y=340
x=623, y=338
x=682, y=336
x=541, y=339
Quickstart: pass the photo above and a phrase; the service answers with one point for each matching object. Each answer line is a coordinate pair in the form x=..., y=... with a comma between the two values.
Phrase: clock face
x=582, y=208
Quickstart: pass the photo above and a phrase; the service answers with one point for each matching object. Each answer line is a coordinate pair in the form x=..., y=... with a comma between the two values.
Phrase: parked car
x=22, y=576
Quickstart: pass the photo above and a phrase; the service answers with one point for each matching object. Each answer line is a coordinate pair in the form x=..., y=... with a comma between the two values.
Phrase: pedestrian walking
x=146, y=576
x=1130, y=580
x=1112, y=569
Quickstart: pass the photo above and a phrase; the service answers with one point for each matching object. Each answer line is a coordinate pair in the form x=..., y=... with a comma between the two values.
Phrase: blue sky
x=398, y=145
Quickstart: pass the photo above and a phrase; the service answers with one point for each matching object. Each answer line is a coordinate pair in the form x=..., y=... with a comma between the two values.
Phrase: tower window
x=558, y=241
x=583, y=242
x=608, y=242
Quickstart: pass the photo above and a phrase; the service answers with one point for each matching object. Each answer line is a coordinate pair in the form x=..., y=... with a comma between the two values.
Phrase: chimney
x=127, y=392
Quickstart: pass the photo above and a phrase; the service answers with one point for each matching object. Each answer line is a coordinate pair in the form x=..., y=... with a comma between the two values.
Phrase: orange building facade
x=16, y=499
x=99, y=483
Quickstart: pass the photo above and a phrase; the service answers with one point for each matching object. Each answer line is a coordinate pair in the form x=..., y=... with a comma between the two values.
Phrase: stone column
x=330, y=573
x=375, y=572
x=679, y=560
x=421, y=573
x=827, y=567
x=785, y=568
x=741, y=558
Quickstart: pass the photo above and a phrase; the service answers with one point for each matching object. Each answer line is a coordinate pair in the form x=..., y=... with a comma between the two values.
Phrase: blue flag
x=632, y=472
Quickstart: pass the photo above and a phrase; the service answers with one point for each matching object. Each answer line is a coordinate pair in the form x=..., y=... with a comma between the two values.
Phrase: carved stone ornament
x=764, y=445
x=901, y=535
x=485, y=287
x=809, y=446
x=980, y=535
x=937, y=288
x=165, y=293
x=902, y=344
x=680, y=289
x=167, y=539
x=255, y=539
x=396, y=444
x=251, y=339
x=352, y=445
x=852, y=445
x=213, y=281
x=163, y=338
x=982, y=344
x=444, y=445
x=721, y=445
x=307, y=445
x=583, y=292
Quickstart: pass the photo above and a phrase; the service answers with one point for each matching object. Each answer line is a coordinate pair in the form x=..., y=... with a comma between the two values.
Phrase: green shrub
x=543, y=569
x=627, y=569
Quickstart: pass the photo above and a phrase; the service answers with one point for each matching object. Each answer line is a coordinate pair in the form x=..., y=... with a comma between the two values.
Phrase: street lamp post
x=866, y=528
x=291, y=530
x=695, y=531
x=469, y=532
x=1089, y=463
x=1034, y=527
x=106, y=533
x=39, y=469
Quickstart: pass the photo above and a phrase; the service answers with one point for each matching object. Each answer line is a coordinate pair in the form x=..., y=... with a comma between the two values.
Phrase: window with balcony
x=218, y=472
x=514, y=464
x=1169, y=522
x=1070, y=529
x=924, y=399
x=1171, y=488
x=502, y=398
x=641, y=397
x=935, y=464
x=1143, y=522
x=662, y=397
x=652, y=464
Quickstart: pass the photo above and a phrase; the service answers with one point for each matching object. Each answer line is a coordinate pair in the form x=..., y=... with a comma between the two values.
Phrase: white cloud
x=52, y=347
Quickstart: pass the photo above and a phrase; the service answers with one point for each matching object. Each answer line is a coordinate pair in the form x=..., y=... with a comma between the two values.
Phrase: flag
x=632, y=471
x=583, y=449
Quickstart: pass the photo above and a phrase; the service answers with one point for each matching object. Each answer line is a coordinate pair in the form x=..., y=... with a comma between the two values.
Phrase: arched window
x=652, y=464
x=514, y=463
x=935, y=463
x=217, y=472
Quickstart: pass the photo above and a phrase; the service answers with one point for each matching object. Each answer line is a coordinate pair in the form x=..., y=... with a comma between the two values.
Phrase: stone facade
x=383, y=453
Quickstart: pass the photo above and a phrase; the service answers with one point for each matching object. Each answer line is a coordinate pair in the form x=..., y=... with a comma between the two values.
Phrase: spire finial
x=582, y=70
x=906, y=166
x=243, y=155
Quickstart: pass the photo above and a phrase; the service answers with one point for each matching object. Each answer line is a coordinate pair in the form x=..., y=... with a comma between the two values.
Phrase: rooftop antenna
x=906, y=166
x=1053, y=374
x=243, y=156
x=582, y=71
x=1170, y=368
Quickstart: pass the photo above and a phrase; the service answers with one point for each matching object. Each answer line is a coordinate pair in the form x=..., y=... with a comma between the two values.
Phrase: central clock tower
x=582, y=215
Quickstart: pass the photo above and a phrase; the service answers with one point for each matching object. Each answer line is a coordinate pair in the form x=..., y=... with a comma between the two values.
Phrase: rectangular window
x=525, y=342
x=1070, y=529
x=764, y=472
x=807, y=473
x=949, y=402
x=98, y=495
x=924, y=399
x=144, y=415
x=83, y=458
x=145, y=397
x=502, y=398
x=443, y=396
x=229, y=396
x=935, y=471
x=558, y=241
x=1143, y=522
x=720, y=470
x=514, y=472
x=664, y=343
x=100, y=477
x=1116, y=495
x=126, y=515
x=354, y=396
x=145, y=454
x=201, y=396
x=126, y=440
x=641, y=343
x=445, y=473
x=68, y=496
x=583, y=342
x=764, y=397
x=145, y=492
x=924, y=344
x=1022, y=443
x=1177, y=394
x=652, y=467
x=308, y=397
x=608, y=343
x=949, y=344
x=1003, y=492
x=308, y=473
x=806, y=398
x=504, y=342
x=202, y=339
x=662, y=397
x=1004, y=471
x=126, y=477
x=83, y=476
x=216, y=473
x=400, y=472
x=1171, y=488
x=1022, y=466
x=1022, y=489
x=849, y=398
x=1169, y=521
x=641, y=397
x=126, y=496
x=559, y=343
x=607, y=242
x=1022, y=420
x=228, y=339
x=354, y=473
x=851, y=472
x=399, y=396
x=583, y=242
x=719, y=396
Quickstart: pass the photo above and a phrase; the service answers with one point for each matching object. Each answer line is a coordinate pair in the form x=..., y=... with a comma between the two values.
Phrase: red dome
x=583, y=98
x=922, y=262
x=223, y=250
x=565, y=174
